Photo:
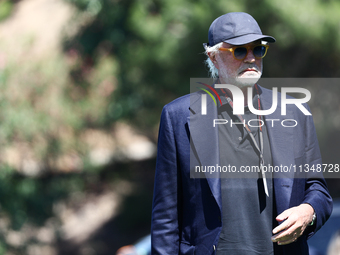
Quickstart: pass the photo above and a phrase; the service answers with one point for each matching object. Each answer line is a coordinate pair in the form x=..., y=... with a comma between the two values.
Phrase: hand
x=296, y=219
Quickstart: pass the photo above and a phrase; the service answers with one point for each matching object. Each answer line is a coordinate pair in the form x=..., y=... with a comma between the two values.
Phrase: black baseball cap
x=236, y=28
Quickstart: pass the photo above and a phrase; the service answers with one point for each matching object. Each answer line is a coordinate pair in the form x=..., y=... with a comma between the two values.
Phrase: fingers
x=291, y=239
x=283, y=226
x=284, y=215
x=287, y=236
x=288, y=231
x=126, y=250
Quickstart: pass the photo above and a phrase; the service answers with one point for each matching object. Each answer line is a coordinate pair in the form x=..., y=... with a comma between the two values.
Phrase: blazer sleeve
x=316, y=191
x=164, y=225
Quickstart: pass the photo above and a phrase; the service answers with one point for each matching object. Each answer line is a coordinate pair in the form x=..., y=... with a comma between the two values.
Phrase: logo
x=238, y=99
x=204, y=97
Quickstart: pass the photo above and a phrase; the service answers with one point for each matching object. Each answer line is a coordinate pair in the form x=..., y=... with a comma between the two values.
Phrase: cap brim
x=244, y=39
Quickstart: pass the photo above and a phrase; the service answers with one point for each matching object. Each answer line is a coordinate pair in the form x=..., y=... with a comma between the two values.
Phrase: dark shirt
x=247, y=213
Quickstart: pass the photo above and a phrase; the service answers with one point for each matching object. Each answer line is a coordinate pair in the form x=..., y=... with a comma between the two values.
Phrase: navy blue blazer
x=186, y=213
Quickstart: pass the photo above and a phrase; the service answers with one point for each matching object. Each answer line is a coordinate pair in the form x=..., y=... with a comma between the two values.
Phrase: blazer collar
x=204, y=138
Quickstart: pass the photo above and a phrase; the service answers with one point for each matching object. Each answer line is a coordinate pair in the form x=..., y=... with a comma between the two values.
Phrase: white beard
x=247, y=79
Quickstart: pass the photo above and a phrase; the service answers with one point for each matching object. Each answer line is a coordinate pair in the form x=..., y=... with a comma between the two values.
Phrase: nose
x=250, y=58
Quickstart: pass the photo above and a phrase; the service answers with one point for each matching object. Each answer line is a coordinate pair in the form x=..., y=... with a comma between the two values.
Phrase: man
x=260, y=214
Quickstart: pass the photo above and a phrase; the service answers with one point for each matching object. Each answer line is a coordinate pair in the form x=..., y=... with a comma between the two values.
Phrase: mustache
x=249, y=66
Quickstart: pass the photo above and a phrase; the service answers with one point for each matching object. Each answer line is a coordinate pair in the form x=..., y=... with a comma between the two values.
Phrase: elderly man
x=260, y=214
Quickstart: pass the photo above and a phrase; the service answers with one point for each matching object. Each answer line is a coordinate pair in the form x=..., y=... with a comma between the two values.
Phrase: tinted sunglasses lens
x=259, y=51
x=240, y=52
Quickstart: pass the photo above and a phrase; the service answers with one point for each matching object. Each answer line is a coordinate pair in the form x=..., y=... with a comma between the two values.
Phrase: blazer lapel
x=204, y=139
x=281, y=143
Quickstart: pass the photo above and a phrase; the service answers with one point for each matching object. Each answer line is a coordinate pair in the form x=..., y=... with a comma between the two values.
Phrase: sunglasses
x=241, y=52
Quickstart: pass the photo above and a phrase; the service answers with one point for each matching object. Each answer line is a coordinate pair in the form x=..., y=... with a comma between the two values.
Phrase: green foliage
x=47, y=107
x=6, y=7
x=30, y=199
x=128, y=59
x=158, y=45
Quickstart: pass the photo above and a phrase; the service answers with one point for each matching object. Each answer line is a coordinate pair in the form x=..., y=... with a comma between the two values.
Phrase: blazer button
x=214, y=247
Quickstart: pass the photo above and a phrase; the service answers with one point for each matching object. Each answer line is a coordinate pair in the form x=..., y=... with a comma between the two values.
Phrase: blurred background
x=82, y=86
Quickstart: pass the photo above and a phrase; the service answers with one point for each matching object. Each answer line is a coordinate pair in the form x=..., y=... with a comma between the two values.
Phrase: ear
x=213, y=59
